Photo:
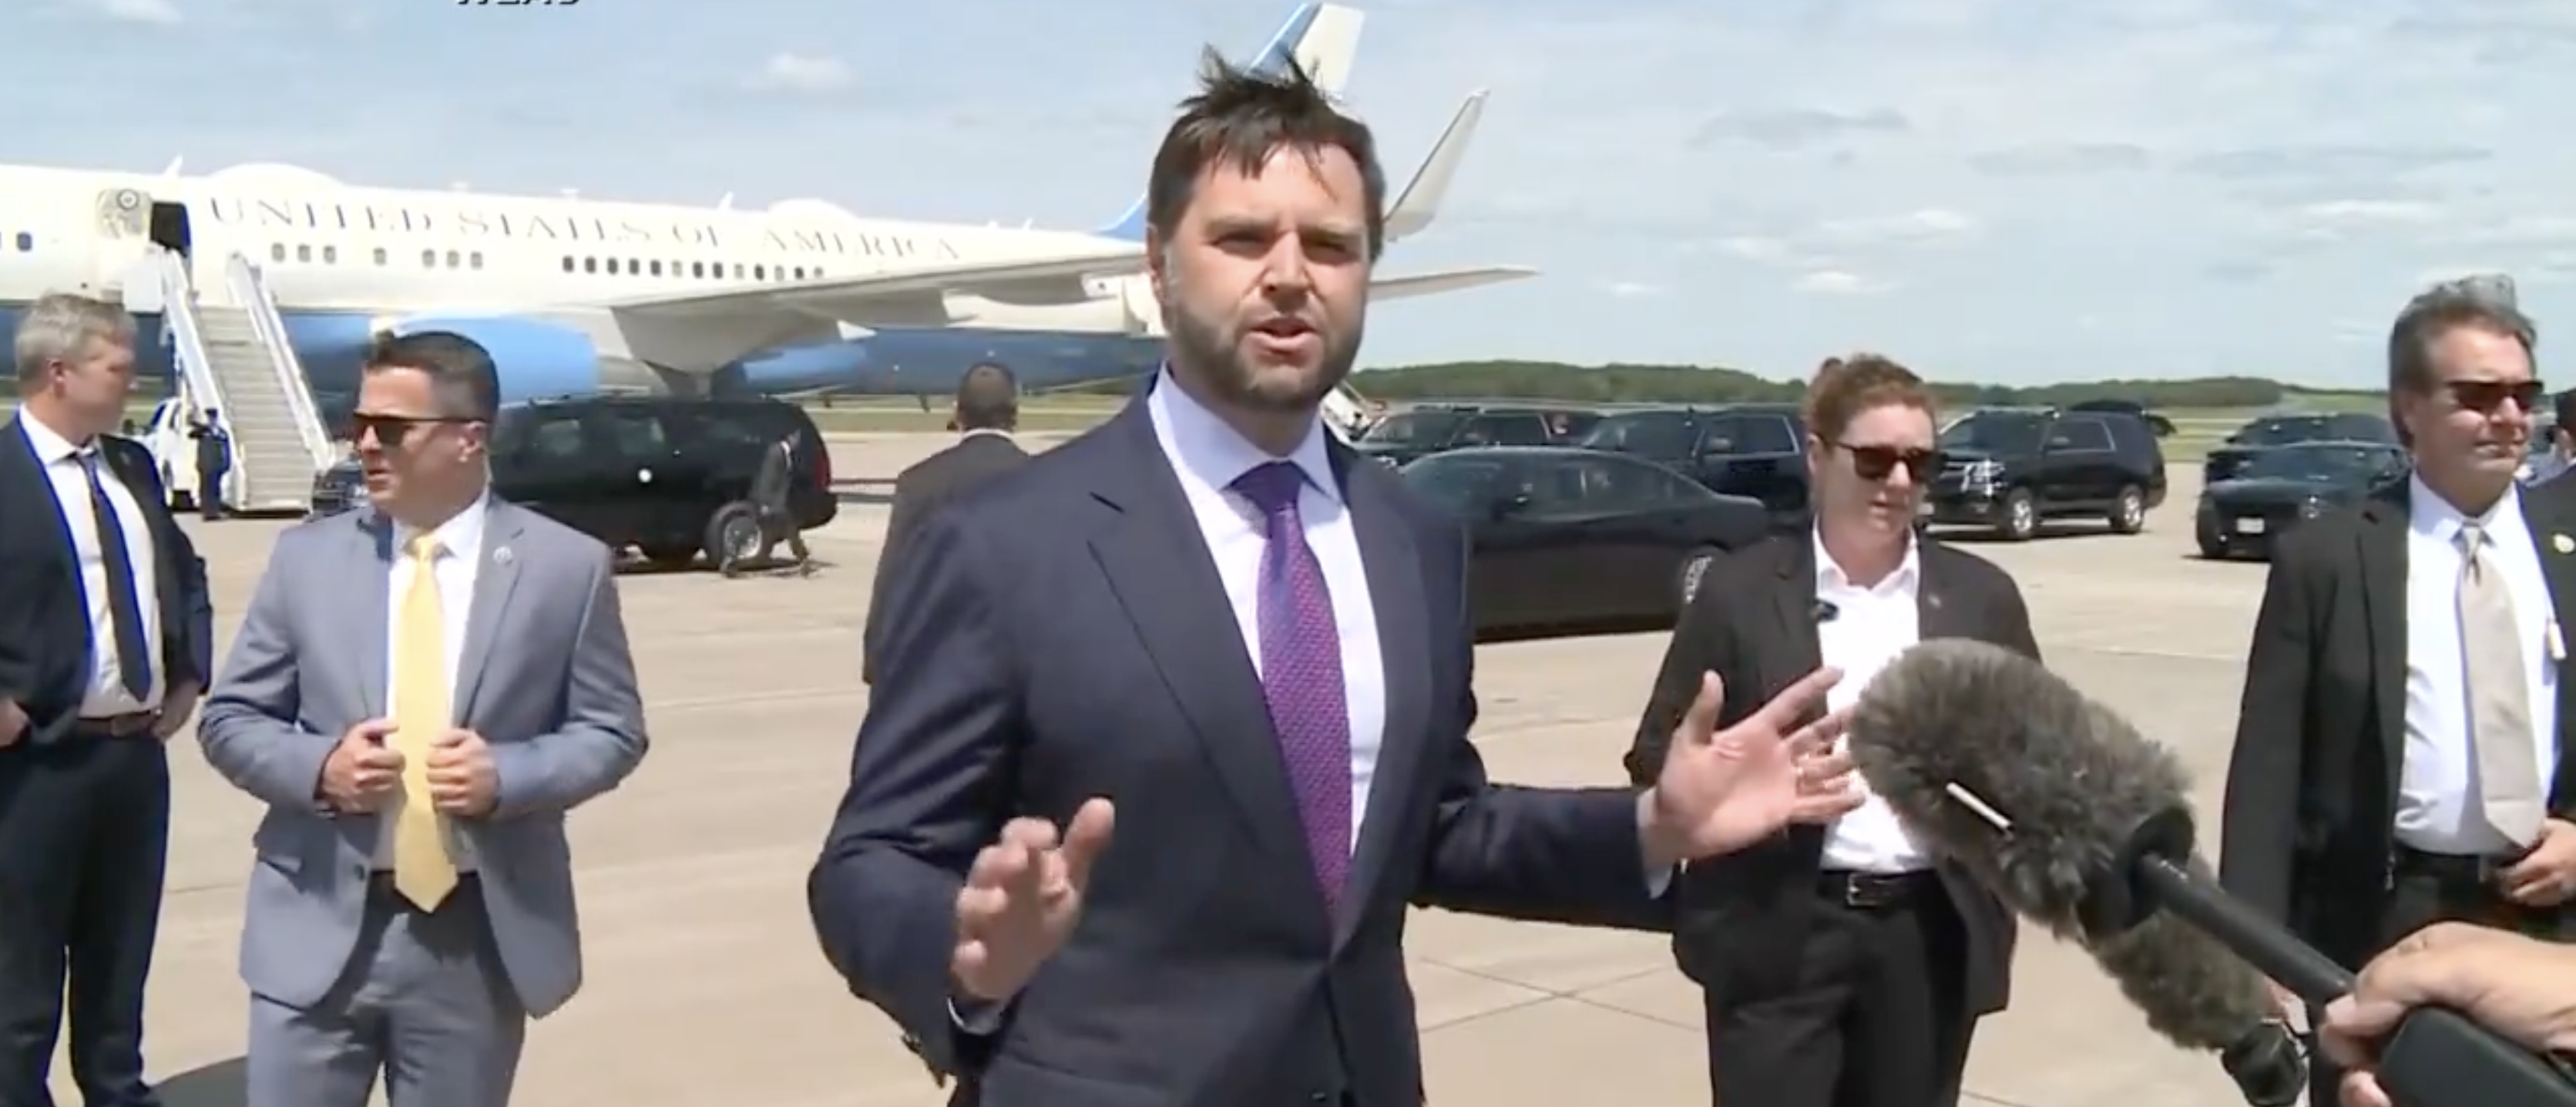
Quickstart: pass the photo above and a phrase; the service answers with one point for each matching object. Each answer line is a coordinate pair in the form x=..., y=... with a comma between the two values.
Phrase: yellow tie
x=423, y=871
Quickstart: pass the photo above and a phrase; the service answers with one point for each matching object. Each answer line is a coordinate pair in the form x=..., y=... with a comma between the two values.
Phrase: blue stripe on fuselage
x=897, y=362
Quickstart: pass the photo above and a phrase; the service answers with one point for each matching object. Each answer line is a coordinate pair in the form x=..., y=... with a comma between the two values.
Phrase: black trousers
x=2423, y=890
x=84, y=842
x=1878, y=1016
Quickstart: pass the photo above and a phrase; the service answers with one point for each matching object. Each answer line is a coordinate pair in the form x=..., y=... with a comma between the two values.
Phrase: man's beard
x=1225, y=372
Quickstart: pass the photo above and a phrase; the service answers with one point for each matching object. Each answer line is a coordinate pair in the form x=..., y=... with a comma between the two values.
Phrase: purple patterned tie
x=1301, y=673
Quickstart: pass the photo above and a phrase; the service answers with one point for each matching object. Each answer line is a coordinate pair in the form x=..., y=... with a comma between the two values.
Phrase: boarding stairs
x=233, y=355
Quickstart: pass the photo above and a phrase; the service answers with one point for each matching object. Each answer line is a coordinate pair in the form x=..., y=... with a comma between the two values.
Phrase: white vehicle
x=175, y=454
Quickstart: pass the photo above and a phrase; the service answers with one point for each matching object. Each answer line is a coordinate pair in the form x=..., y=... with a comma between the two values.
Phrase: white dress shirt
x=460, y=553
x=2437, y=795
x=1209, y=457
x=1870, y=627
x=65, y=468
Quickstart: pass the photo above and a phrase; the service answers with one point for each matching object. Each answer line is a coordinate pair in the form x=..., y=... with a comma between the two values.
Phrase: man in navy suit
x=1205, y=622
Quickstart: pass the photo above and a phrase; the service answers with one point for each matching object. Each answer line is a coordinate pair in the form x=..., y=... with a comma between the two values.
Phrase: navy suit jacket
x=1060, y=633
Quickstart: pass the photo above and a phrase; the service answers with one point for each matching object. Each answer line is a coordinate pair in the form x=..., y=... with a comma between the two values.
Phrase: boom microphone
x=2078, y=822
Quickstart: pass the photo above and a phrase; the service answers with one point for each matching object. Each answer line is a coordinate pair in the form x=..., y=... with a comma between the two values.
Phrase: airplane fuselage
x=344, y=263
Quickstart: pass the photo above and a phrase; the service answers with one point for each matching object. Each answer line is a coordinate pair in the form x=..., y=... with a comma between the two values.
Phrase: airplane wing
x=1415, y=207
x=906, y=296
x=1446, y=280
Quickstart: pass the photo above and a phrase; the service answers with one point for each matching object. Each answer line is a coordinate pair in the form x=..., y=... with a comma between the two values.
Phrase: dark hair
x=2487, y=302
x=2564, y=409
x=1238, y=119
x=459, y=369
x=1844, y=387
x=988, y=398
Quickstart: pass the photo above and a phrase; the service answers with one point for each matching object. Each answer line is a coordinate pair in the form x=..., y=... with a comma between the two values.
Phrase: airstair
x=233, y=355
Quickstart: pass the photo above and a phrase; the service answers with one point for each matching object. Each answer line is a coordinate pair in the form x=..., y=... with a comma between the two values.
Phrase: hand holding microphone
x=2519, y=987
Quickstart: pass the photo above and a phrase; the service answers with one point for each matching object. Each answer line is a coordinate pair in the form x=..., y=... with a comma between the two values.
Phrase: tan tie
x=2499, y=704
x=423, y=871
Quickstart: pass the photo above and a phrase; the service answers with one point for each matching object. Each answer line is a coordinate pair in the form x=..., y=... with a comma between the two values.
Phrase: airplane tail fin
x=1415, y=207
x=1323, y=40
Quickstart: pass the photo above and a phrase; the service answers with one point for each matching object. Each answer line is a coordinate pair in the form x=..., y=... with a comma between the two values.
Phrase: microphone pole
x=2434, y=1057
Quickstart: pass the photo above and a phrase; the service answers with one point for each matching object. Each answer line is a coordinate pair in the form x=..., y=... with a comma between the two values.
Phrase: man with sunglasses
x=419, y=692
x=2396, y=752
x=1840, y=964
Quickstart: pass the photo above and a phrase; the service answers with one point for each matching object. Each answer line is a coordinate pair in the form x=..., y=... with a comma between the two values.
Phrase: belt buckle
x=1868, y=891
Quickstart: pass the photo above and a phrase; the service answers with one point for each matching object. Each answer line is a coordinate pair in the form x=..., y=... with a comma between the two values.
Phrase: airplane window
x=633, y=267
x=26, y=242
x=590, y=265
x=277, y=251
x=697, y=269
x=304, y=253
x=475, y=259
x=760, y=272
x=429, y=259
x=380, y=255
x=737, y=270
x=657, y=269
x=451, y=259
x=331, y=255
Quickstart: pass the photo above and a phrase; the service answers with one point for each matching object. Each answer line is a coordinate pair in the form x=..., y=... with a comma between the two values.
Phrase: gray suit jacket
x=546, y=680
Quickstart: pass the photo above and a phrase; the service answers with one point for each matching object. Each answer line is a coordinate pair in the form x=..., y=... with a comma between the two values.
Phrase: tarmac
x=704, y=987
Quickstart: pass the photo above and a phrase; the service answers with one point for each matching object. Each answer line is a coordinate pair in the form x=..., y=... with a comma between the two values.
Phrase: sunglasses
x=1876, y=462
x=392, y=431
x=2484, y=397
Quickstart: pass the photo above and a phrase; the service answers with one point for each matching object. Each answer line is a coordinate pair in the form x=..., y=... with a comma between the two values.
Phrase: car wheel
x=2129, y=512
x=2021, y=516
x=2213, y=549
x=734, y=533
x=179, y=501
x=1694, y=570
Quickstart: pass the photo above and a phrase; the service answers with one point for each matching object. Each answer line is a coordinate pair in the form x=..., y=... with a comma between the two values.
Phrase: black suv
x=1421, y=430
x=2012, y=468
x=1753, y=450
x=651, y=472
x=2271, y=432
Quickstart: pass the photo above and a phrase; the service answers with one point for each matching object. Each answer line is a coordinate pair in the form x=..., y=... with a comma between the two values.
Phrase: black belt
x=116, y=726
x=2453, y=870
x=1876, y=891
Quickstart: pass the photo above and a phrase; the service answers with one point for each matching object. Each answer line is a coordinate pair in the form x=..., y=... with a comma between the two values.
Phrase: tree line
x=1630, y=383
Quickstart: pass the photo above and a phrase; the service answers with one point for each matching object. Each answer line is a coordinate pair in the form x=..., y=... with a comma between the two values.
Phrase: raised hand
x=1022, y=899
x=1723, y=790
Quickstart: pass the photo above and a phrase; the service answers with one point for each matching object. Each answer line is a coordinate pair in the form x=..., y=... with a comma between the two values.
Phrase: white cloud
x=157, y=13
x=791, y=72
x=1837, y=282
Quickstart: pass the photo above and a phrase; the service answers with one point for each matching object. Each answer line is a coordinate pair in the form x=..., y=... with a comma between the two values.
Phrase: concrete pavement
x=704, y=987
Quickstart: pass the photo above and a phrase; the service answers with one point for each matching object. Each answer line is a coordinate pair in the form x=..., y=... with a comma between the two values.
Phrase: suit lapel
x=1793, y=607
x=368, y=591
x=2553, y=533
x=1397, y=594
x=19, y=454
x=2381, y=541
x=1937, y=612
x=1167, y=583
x=493, y=581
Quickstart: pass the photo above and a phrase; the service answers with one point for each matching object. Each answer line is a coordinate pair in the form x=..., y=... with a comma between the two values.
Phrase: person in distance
x=1207, y=625
x=1840, y=964
x=419, y=692
x=987, y=411
x=2396, y=757
x=2513, y=984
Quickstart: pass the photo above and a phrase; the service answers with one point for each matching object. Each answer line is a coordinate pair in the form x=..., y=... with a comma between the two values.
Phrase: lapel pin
x=502, y=556
x=2562, y=543
x=2555, y=642
x=1932, y=601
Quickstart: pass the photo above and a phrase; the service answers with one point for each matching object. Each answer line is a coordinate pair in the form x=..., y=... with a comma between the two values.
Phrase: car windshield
x=1414, y=428
x=1993, y=432
x=1460, y=482
x=2321, y=464
x=2282, y=432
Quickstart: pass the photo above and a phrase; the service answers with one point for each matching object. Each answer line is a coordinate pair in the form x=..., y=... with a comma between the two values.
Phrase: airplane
x=575, y=296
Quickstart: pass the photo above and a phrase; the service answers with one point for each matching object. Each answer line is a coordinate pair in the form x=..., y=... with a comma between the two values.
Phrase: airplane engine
x=535, y=359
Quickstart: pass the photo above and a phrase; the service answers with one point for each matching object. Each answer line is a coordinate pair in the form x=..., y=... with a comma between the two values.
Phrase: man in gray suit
x=418, y=737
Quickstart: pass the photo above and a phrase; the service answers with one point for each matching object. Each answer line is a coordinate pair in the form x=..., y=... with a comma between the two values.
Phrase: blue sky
x=1988, y=189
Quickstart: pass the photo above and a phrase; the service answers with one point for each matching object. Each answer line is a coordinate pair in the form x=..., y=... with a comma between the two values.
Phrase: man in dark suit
x=1841, y=965
x=772, y=486
x=1207, y=622
x=988, y=410
x=214, y=459
x=2398, y=757
x=106, y=638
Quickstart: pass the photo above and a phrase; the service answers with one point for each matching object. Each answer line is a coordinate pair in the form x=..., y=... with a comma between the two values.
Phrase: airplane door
x=121, y=225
